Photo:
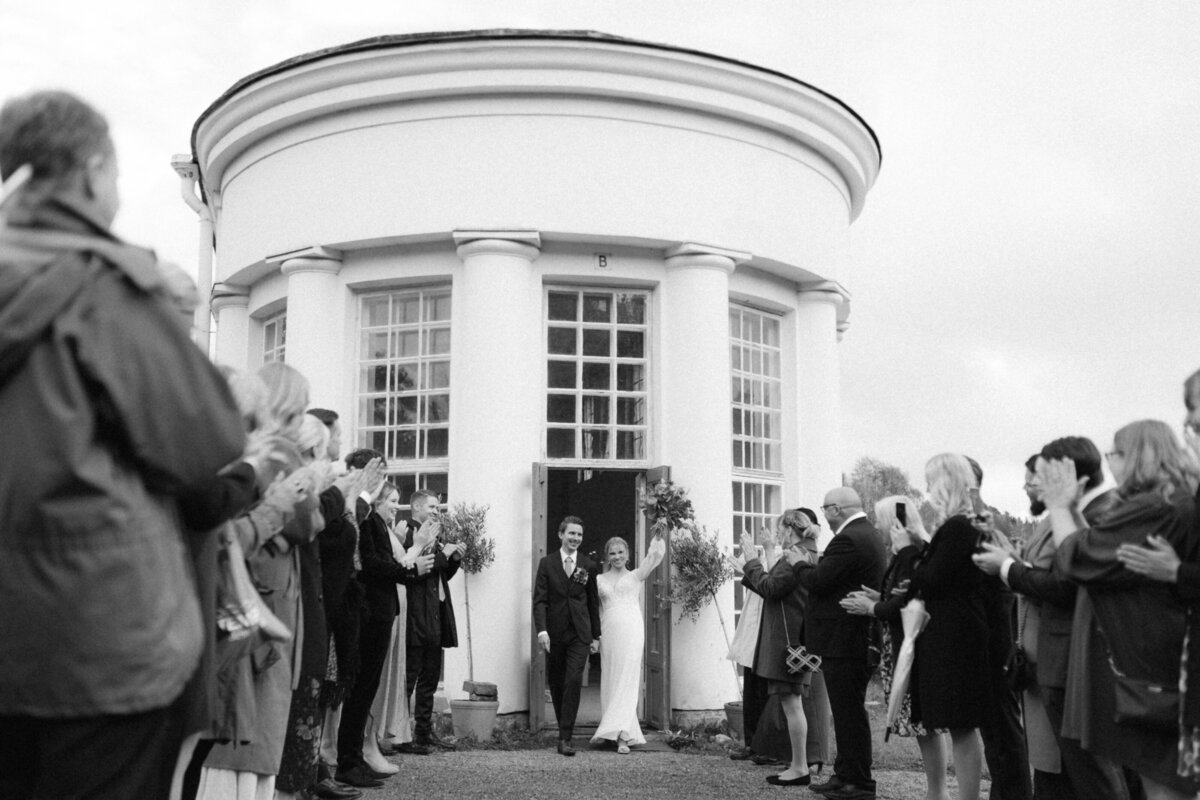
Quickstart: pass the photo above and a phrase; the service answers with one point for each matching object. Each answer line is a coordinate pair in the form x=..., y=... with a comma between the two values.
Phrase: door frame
x=656, y=702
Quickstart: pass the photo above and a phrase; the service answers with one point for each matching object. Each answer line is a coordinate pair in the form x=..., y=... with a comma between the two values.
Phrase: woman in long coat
x=782, y=626
x=950, y=674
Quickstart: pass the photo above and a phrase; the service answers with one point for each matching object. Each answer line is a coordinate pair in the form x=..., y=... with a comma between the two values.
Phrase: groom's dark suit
x=568, y=609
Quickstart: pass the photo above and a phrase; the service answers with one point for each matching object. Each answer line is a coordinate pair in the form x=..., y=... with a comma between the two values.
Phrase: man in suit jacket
x=854, y=558
x=566, y=615
x=1089, y=775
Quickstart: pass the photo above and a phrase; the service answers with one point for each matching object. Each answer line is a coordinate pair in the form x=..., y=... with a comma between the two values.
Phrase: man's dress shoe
x=329, y=790
x=564, y=748
x=358, y=776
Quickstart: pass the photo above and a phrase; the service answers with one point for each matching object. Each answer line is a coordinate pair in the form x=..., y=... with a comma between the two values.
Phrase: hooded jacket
x=106, y=410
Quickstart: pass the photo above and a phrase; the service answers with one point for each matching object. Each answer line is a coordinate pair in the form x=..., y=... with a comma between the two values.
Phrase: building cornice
x=391, y=71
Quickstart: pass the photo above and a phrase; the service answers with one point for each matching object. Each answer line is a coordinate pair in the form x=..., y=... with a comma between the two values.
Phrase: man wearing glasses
x=854, y=558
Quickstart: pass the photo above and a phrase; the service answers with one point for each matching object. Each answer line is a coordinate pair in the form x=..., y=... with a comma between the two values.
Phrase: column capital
x=824, y=292
x=701, y=256
x=523, y=244
x=229, y=295
x=308, y=259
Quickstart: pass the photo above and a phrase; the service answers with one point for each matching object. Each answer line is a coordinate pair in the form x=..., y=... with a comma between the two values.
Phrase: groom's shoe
x=564, y=748
x=832, y=785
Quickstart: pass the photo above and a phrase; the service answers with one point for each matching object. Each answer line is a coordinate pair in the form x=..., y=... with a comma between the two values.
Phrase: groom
x=566, y=613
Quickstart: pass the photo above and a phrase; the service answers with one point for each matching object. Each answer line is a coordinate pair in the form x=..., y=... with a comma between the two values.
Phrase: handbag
x=797, y=659
x=1019, y=672
x=1144, y=703
x=240, y=609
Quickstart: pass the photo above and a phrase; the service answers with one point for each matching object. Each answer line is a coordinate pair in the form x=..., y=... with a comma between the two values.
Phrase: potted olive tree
x=466, y=524
x=698, y=566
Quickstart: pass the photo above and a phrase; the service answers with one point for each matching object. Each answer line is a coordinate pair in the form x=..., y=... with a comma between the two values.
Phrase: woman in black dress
x=949, y=681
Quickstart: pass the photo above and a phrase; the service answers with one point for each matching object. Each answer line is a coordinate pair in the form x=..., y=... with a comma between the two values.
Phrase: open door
x=537, y=659
x=658, y=623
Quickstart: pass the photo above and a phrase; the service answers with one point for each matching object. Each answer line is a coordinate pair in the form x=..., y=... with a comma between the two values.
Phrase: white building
x=528, y=266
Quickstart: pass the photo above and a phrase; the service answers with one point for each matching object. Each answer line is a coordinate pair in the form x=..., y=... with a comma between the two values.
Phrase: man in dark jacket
x=109, y=412
x=431, y=624
x=854, y=558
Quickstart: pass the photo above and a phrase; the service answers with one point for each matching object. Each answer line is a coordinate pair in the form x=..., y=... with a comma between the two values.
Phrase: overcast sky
x=1025, y=264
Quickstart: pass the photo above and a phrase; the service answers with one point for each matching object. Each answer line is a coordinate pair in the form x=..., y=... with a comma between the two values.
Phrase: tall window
x=596, y=374
x=757, y=407
x=404, y=377
x=274, y=337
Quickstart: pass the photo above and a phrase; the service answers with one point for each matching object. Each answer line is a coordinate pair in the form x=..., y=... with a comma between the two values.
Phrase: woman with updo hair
x=621, y=650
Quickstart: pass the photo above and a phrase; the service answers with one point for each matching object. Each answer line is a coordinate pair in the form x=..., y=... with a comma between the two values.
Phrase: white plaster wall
x=589, y=177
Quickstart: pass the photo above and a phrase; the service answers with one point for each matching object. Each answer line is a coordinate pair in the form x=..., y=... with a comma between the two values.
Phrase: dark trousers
x=373, y=642
x=754, y=700
x=846, y=682
x=564, y=673
x=1053, y=786
x=1093, y=777
x=423, y=669
x=1004, y=743
x=119, y=756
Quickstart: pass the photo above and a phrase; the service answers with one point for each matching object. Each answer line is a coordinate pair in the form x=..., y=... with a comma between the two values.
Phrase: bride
x=624, y=636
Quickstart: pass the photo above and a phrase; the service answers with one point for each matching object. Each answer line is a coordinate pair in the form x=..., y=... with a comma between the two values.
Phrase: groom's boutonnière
x=580, y=576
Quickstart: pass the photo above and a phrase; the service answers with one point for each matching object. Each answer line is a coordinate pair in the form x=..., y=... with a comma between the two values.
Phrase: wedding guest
x=1048, y=634
x=783, y=626
x=950, y=687
x=908, y=540
x=621, y=653
x=1142, y=622
x=854, y=558
x=109, y=412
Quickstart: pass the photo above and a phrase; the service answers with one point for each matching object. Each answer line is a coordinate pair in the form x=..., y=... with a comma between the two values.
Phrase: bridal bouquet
x=667, y=508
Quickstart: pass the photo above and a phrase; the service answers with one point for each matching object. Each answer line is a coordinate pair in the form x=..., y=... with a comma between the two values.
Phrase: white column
x=696, y=432
x=818, y=392
x=230, y=306
x=315, y=317
x=496, y=412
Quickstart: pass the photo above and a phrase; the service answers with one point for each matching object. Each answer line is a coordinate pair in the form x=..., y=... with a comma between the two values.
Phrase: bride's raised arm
x=654, y=557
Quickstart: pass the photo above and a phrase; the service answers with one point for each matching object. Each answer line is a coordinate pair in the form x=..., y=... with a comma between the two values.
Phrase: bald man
x=854, y=558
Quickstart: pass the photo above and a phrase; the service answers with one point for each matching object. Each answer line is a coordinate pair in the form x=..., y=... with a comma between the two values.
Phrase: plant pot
x=474, y=718
x=733, y=717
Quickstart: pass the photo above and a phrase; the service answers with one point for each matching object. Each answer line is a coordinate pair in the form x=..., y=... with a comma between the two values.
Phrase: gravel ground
x=604, y=775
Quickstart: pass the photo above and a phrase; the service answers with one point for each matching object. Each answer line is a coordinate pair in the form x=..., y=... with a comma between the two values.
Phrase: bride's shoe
x=623, y=746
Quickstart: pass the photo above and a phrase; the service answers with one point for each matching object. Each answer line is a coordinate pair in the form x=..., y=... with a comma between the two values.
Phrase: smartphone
x=902, y=514
x=977, y=502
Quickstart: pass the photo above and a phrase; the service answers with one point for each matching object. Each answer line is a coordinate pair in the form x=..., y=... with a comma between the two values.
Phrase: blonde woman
x=950, y=676
x=908, y=540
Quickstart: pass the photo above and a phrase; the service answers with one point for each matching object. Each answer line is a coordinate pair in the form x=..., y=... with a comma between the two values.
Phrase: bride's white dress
x=621, y=645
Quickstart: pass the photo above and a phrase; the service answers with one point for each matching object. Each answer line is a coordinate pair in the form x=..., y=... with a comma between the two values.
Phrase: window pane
x=774, y=495
x=737, y=422
x=595, y=443
x=596, y=343
x=269, y=337
x=597, y=308
x=771, y=331
x=630, y=410
x=405, y=444
x=437, y=375
x=629, y=445
x=376, y=440
x=406, y=485
x=630, y=377
x=437, y=408
x=560, y=443
x=406, y=410
x=560, y=374
x=735, y=357
x=560, y=408
x=595, y=376
x=375, y=411
x=595, y=409
x=404, y=376
x=407, y=344
x=631, y=309
x=436, y=442
x=563, y=306
x=406, y=310
x=375, y=345
x=737, y=454
x=438, y=483
x=437, y=308
x=373, y=378
x=629, y=344
x=437, y=341
x=375, y=312
x=735, y=324
x=737, y=497
x=561, y=341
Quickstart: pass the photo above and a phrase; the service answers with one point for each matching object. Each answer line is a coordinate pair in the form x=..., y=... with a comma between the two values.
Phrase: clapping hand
x=452, y=549
x=749, y=552
x=1157, y=560
x=424, y=563
x=426, y=534
x=1060, y=487
x=990, y=557
x=373, y=477
x=861, y=602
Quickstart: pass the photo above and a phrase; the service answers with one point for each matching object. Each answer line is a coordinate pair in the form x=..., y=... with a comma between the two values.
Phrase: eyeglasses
x=1117, y=453
x=830, y=505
